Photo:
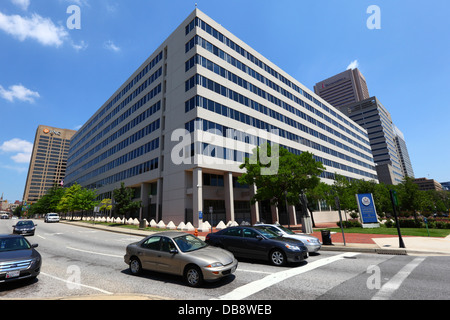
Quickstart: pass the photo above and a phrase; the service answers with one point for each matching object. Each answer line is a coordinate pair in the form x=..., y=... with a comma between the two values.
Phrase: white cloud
x=38, y=28
x=81, y=46
x=22, y=150
x=18, y=92
x=24, y=4
x=111, y=46
x=353, y=65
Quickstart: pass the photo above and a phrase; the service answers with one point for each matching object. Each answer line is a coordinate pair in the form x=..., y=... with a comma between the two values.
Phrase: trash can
x=326, y=238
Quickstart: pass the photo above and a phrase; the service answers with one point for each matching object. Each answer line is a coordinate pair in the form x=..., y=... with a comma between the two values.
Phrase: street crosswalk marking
x=259, y=285
x=392, y=285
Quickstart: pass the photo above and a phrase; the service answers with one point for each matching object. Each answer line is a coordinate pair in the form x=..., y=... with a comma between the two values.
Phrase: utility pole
x=394, y=201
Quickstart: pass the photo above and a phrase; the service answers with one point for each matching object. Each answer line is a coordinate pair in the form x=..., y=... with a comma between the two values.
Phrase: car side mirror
x=34, y=245
x=259, y=237
x=173, y=251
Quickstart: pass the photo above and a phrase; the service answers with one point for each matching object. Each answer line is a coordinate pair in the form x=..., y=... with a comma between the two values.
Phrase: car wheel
x=135, y=266
x=278, y=258
x=193, y=276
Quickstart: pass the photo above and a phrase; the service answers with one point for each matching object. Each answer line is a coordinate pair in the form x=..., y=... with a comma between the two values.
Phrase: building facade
x=428, y=184
x=403, y=154
x=374, y=117
x=180, y=126
x=48, y=161
x=344, y=88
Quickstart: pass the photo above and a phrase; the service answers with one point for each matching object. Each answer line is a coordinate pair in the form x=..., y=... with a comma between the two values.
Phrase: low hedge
x=413, y=223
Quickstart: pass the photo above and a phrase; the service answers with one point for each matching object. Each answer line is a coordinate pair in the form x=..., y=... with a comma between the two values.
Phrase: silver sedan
x=312, y=243
x=181, y=254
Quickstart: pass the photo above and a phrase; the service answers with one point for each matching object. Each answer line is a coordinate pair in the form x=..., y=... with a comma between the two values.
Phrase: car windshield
x=25, y=223
x=288, y=231
x=188, y=243
x=267, y=233
x=13, y=244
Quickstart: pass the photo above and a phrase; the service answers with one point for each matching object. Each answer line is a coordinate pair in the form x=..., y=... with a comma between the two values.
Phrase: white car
x=312, y=243
x=51, y=217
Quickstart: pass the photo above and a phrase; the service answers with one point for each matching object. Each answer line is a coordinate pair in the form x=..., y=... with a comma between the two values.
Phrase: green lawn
x=420, y=232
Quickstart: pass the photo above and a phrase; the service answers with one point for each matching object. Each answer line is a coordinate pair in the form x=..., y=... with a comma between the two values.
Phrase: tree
x=293, y=176
x=124, y=204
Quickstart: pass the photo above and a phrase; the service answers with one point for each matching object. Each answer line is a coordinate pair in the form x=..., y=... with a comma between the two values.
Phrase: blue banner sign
x=366, y=207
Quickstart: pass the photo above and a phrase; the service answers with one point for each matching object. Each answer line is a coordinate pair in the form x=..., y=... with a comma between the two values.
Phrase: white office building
x=177, y=130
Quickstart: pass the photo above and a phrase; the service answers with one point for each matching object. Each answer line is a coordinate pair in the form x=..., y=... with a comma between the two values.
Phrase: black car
x=259, y=243
x=18, y=259
x=25, y=227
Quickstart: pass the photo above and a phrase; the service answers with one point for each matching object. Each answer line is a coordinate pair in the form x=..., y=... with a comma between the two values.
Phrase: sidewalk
x=364, y=243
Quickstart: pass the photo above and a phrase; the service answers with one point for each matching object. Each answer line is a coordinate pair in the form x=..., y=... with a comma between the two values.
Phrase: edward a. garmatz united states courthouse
x=227, y=98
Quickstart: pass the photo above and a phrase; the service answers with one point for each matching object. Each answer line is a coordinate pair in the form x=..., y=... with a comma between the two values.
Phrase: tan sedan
x=182, y=254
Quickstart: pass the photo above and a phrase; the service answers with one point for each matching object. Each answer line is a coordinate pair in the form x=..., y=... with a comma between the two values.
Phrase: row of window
x=113, y=101
x=144, y=132
x=231, y=113
x=136, y=153
x=250, y=87
x=236, y=63
x=143, y=116
x=121, y=176
x=196, y=22
x=214, y=128
x=117, y=109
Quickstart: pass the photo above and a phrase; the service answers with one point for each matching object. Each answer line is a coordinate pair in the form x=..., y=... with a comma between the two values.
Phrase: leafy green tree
x=124, y=204
x=294, y=175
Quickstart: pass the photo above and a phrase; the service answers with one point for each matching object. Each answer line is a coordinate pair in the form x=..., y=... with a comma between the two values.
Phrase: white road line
x=78, y=284
x=392, y=285
x=256, y=286
x=254, y=271
x=40, y=237
x=97, y=253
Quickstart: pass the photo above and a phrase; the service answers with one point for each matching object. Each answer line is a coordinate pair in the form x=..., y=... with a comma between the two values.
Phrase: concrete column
x=145, y=190
x=292, y=215
x=197, y=196
x=255, y=207
x=158, y=200
x=229, y=197
x=274, y=210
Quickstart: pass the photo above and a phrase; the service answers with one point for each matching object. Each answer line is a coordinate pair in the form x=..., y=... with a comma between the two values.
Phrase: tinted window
x=249, y=233
x=167, y=244
x=152, y=243
x=234, y=232
x=12, y=244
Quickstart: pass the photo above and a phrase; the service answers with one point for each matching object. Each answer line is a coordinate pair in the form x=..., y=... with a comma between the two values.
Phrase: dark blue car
x=259, y=243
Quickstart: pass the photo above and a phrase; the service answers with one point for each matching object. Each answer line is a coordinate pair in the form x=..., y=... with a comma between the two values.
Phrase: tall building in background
x=48, y=161
x=179, y=128
x=402, y=151
x=349, y=93
x=373, y=116
x=344, y=88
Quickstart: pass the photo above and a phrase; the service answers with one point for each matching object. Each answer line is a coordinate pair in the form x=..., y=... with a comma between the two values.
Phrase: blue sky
x=57, y=76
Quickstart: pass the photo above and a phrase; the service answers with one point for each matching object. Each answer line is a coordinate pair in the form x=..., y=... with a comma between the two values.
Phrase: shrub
x=350, y=224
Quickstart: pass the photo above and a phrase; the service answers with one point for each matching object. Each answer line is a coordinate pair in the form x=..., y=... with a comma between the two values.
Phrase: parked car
x=51, y=217
x=25, y=227
x=259, y=243
x=4, y=217
x=18, y=259
x=312, y=243
x=181, y=254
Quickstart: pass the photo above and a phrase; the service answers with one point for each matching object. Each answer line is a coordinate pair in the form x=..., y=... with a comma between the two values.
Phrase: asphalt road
x=84, y=262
